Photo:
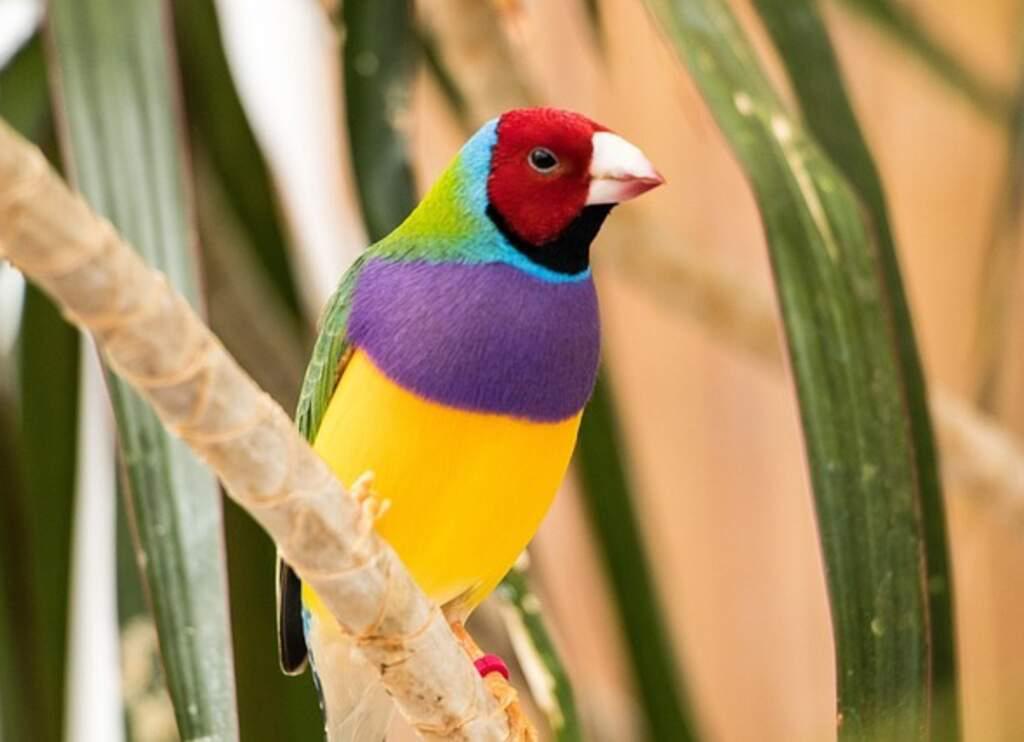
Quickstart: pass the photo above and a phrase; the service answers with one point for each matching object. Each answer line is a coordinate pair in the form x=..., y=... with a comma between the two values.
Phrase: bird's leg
x=495, y=675
x=455, y=612
x=362, y=490
x=466, y=641
x=485, y=663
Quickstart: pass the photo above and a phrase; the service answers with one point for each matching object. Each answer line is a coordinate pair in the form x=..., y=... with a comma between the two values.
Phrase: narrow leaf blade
x=806, y=51
x=561, y=711
x=378, y=58
x=38, y=580
x=38, y=432
x=842, y=341
x=614, y=520
x=117, y=94
x=215, y=115
x=24, y=101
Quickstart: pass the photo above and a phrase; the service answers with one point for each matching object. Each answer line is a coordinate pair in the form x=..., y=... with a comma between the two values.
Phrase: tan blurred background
x=713, y=434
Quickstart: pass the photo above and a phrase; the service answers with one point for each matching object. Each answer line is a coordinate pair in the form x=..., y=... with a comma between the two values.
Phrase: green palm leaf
x=38, y=434
x=806, y=51
x=117, y=95
x=844, y=339
x=609, y=504
x=378, y=49
x=36, y=545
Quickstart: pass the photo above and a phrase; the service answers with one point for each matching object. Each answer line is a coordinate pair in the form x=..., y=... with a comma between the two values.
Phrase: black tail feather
x=291, y=638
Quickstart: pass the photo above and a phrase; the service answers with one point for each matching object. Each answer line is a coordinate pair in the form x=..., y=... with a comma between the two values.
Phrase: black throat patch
x=569, y=252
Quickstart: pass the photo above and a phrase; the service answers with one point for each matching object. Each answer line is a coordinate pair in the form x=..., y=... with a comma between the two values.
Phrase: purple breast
x=483, y=337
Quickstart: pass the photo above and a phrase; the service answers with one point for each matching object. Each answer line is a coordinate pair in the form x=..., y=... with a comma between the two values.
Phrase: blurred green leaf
x=143, y=685
x=131, y=593
x=378, y=49
x=238, y=288
x=595, y=20
x=20, y=707
x=442, y=75
x=217, y=119
x=998, y=284
x=36, y=547
x=609, y=505
x=118, y=110
x=38, y=447
x=803, y=42
x=24, y=101
x=273, y=706
x=899, y=22
x=844, y=339
x=524, y=604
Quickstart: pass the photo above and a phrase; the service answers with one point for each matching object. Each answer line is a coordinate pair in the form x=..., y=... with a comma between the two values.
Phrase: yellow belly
x=467, y=490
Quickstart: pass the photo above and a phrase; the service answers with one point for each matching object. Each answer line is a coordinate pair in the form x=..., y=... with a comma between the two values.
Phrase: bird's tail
x=356, y=707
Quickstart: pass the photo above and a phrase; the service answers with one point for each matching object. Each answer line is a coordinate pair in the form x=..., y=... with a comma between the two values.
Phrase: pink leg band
x=491, y=663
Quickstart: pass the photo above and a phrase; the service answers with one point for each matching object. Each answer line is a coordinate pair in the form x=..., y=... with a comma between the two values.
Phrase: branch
x=150, y=336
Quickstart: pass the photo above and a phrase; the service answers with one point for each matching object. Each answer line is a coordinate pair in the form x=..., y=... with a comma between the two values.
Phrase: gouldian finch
x=454, y=362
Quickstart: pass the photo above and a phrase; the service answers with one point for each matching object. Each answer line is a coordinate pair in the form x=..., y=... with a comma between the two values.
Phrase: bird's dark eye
x=543, y=160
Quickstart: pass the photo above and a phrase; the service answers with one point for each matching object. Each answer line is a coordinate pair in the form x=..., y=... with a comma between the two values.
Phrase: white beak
x=619, y=171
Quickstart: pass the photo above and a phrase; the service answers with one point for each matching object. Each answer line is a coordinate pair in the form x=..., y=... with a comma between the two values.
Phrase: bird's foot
x=496, y=677
x=466, y=641
x=484, y=663
x=362, y=490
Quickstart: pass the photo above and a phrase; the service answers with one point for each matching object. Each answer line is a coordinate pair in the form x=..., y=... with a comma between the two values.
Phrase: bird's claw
x=373, y=507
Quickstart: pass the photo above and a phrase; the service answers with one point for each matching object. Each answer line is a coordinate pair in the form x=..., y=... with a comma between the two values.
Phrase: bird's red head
x=548, y=165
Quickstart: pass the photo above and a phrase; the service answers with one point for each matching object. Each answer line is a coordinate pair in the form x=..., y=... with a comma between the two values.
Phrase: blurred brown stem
x=475, y=50
x=238, y=290
x=979, y=456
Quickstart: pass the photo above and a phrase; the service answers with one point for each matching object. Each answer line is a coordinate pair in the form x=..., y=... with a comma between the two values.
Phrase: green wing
x=330, y=355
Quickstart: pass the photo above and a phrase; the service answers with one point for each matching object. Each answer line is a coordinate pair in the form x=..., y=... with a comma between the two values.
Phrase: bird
x=454, y=361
